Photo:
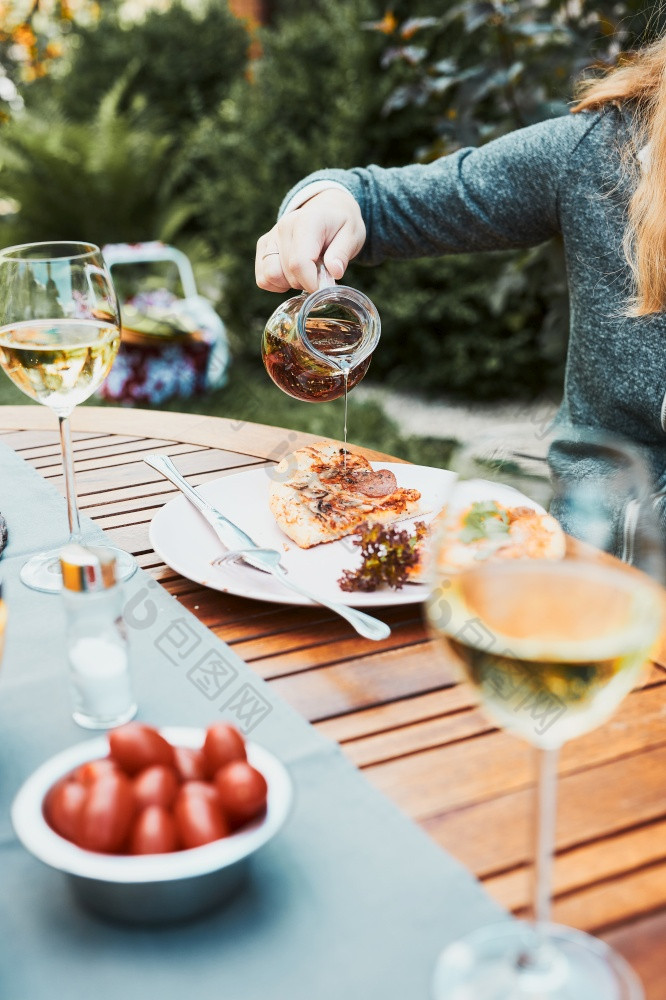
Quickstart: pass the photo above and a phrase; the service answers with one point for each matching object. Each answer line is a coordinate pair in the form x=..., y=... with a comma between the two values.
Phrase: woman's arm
x=500, y=196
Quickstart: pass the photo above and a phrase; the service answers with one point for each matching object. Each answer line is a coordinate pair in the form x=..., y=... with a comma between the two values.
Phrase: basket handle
x=149, y=253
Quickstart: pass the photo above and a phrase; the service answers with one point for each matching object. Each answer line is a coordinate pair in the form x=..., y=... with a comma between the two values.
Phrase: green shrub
x=101, y=181
x=181, y=64
x=468, y=326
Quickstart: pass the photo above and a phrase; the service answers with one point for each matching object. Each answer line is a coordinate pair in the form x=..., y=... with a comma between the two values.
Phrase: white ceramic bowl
x=152, y=888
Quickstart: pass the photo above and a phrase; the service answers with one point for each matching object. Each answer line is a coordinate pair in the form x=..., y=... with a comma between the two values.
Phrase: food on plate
x=89, y=772
x=483, y=530
x=488, y=529
x=323, y=492
x=63, y=806
x=388, y=555
x=106, y=814
x=149, y=797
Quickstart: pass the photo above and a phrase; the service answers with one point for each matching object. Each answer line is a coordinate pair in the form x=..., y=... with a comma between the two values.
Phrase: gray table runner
x=350, y=901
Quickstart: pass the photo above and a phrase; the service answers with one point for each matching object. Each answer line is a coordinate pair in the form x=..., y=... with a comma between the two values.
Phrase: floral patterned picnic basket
x=172, y=346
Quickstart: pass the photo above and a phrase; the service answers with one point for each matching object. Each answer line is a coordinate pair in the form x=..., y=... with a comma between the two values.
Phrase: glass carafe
x=316, y=344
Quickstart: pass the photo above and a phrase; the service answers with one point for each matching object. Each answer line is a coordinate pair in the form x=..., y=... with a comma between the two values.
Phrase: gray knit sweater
x=563, y=176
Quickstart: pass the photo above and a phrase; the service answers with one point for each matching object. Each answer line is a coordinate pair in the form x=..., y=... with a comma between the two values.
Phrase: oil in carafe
x=304, y=376
x=334, y=336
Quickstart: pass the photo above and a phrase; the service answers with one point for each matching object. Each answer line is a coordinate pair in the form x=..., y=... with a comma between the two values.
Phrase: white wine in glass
x=551, y=645
x=569, y=641
x=59, y=336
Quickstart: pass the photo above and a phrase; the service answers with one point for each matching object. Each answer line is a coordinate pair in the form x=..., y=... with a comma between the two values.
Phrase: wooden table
x=394, y=706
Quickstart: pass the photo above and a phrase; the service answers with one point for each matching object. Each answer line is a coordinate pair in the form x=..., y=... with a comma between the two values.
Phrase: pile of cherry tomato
x=149, y=797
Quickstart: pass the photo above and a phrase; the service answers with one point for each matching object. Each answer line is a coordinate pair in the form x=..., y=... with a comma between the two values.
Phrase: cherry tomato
x=107, y=814
x=205, y=788
x=223, y=743
x=199, y=819
x=190, y=764
x=136, y=747
x=154, y=832
x=62, y=808
x=89, y=772
x=242, y=791
x=156, y=786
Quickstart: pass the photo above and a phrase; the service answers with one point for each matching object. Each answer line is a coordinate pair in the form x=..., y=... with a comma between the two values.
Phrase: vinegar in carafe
x=309, y=378
x=318, y=347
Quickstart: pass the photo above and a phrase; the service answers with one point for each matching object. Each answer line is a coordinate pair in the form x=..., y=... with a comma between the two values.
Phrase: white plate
x=186, y=543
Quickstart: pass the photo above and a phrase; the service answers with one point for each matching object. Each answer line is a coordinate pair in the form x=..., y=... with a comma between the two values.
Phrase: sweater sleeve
x=500, y=196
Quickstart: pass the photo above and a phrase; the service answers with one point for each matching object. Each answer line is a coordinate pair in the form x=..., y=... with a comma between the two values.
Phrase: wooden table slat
x=113, y=453
x=475, y=769
x=590, y=863
x=642, y=944
x=26, y=442
x=135, y=498
x=189, y=462
x=363, y=682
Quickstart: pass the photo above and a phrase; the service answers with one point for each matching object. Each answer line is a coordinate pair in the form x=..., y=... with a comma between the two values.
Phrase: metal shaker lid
x=87, y=568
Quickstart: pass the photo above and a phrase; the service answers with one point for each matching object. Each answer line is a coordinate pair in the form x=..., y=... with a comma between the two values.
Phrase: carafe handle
x=324, y=279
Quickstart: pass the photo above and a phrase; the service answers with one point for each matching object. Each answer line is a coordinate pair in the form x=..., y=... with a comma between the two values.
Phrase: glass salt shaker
x=97, y=646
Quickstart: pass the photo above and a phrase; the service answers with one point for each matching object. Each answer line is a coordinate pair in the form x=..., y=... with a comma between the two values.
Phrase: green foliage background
x=166, y=129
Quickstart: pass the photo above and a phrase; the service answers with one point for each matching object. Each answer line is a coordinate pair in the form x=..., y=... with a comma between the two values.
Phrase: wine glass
x=59, y=335
x=545, y=586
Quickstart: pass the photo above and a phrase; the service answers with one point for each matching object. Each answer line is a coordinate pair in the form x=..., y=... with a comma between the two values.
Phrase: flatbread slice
x=316, y=496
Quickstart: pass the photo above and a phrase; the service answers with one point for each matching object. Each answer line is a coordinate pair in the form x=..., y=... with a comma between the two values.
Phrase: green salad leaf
x=484, y=519
x=387, y=553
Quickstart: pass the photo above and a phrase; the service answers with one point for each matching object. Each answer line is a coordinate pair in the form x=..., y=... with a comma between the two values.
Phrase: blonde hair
x=640, y=79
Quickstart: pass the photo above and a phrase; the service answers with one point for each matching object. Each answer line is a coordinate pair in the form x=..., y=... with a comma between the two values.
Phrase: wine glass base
x=42, y=572
x=489, y=964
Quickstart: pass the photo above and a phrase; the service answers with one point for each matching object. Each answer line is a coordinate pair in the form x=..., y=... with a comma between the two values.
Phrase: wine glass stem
x=70, y=486
x=538, y=957
x=545, y=810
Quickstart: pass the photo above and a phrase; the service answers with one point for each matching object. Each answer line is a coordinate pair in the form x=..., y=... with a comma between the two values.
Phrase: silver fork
x=241, y=546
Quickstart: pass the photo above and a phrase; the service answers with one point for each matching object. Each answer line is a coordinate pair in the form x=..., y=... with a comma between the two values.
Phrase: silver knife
x=240, y=545
x=231, y=536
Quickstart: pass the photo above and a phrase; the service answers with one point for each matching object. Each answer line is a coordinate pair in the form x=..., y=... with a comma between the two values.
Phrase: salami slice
x=374, y=484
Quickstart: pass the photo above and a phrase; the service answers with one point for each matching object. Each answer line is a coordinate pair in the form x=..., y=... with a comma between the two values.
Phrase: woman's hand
x=328, y=226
